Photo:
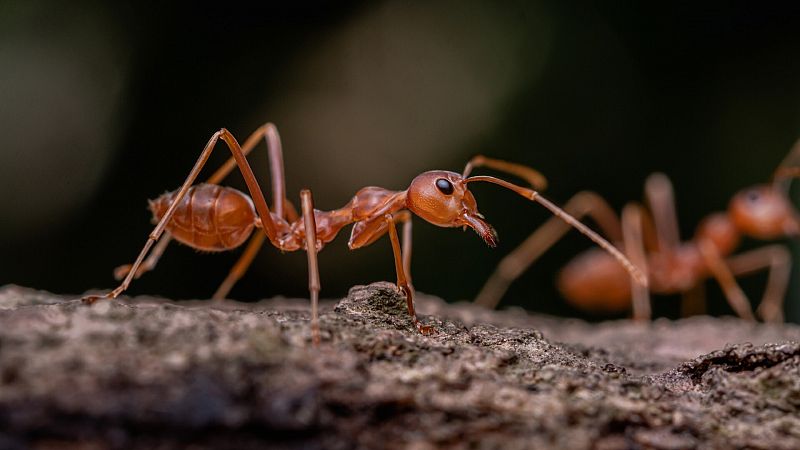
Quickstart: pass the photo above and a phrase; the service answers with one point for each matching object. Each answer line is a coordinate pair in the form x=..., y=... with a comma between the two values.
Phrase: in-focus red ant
x=214, y=218
x=649, y=237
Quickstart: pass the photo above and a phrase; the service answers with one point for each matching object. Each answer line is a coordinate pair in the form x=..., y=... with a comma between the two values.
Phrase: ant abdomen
x=209, y=217
x=595, y=281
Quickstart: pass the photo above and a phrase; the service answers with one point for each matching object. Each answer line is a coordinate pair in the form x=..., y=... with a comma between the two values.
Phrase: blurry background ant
x=649, y=237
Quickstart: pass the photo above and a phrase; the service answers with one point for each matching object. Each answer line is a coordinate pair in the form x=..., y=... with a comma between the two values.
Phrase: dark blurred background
x=104, y=105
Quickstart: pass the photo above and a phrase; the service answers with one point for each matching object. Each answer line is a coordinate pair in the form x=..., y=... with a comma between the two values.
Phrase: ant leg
x=693, y=301
x=406, y=219
x=280, y=205
x=290, y=212
x=268, y=132
x=241, y=266
x=722, y=273
x=788, y=168
x=159, y=229
x=632, y=215
x=149, y=263
x=313, y=268
x=534, y=196
x=268, y=224
x=515, y=263
x=403, y=282
x=778, y=260
x=661, y=200
x=243, y=263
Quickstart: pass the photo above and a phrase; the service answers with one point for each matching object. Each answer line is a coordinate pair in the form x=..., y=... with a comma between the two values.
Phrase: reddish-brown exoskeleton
x=649, y=237
x=210, y=217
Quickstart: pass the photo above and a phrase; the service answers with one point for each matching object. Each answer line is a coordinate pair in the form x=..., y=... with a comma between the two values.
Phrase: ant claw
x=426, y=330
x=90, y=299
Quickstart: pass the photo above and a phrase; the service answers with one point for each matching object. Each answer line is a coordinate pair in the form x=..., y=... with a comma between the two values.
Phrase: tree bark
x=151, y=373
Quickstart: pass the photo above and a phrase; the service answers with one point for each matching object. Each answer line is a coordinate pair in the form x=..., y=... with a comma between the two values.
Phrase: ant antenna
x=532, y=176
x=563, y=215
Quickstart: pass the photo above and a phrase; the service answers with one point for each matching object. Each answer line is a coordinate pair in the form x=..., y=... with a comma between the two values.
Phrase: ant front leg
x=402, y=265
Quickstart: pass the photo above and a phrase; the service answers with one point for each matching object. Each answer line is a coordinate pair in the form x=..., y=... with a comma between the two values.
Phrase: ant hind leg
x=240, y=160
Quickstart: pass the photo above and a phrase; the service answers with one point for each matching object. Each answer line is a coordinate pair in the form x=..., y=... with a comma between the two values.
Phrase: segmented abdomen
x=209, y=217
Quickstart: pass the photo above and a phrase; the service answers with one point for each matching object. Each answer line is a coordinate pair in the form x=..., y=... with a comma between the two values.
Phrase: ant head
x=442, y=198
x=763, y=212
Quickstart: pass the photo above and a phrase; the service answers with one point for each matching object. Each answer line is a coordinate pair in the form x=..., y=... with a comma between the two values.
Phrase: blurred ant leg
x=777, y=259
x=314, y=286
x=149, y=263
x=274, y=148
x=291, y=212
x=585, y=203
x=661, y=201
x=788, y=168
x=268, y=225
x=632, y=215
x=693, y=301
x=722, y=273
x=241, y=266
x=649, y=233
x=532, y=176
x=402, y=281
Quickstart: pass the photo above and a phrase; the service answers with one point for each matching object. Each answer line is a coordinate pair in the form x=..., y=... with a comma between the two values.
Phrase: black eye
x=444, y=186
x=753, y=196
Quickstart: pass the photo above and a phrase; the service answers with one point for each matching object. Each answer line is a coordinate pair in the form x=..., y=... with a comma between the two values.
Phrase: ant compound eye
x=444, y=186
x=753, y=196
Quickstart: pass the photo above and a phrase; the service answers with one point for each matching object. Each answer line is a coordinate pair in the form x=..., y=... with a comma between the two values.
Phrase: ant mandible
x=211, y=217
x=591, y=280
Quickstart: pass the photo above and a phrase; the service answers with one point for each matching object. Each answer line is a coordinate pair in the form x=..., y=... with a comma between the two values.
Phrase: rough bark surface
x=149, y=373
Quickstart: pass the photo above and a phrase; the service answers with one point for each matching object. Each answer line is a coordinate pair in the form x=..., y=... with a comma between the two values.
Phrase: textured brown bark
x=149, y=373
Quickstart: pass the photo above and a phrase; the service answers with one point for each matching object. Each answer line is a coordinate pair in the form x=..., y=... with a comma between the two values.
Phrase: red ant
x=212, y=218
x=592, y=281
